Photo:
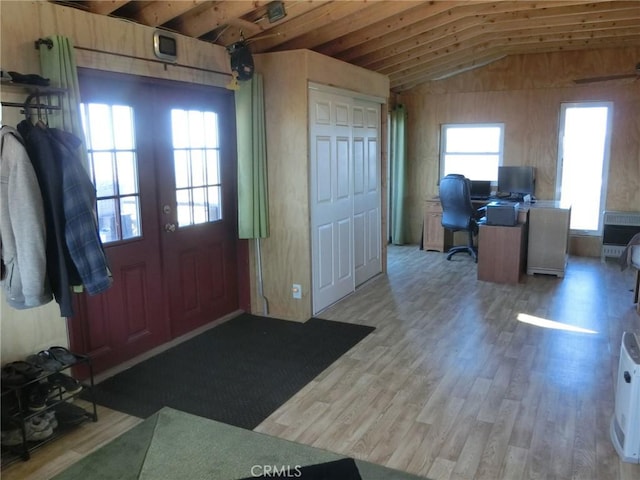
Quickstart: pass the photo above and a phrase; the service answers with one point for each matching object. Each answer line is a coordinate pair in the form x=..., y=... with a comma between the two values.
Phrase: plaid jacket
x=74, y=250
x=81, y=228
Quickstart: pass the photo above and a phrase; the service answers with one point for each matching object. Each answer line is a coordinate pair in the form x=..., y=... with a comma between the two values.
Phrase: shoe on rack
x=45, y=360
x=69, y=384
x=69, y=414
x=37, y=424
x=35, y=429
x=63, y=355
x=50, y=417
x=19, y=373
x=38, y=395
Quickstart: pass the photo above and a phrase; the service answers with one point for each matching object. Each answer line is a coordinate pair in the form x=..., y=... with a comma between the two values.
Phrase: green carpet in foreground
x=171, y=444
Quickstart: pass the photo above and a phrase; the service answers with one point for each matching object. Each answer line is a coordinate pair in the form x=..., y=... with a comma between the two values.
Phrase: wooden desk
x=501, y=253
x=434, y=236
x=540, y=241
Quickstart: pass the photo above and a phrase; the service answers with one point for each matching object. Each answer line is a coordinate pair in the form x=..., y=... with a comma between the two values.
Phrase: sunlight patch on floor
x=545, y=323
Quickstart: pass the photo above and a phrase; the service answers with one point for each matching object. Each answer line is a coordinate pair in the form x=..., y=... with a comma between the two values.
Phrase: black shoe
x=69, y=414
x=19, y=373
x=45, y=361
x=37, y=396
x=69, y=384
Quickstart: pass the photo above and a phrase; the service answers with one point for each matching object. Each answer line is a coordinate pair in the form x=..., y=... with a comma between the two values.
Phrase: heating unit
x=625, y=424
x=618, y=229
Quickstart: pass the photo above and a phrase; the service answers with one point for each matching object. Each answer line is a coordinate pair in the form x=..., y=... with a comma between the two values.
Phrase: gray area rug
x=172, y=444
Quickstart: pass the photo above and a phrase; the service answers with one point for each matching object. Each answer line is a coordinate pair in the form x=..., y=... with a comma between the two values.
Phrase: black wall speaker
x=241, y=60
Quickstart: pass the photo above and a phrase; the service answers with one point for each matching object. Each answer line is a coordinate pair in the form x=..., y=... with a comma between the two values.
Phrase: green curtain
x=398, y=153
x=253, y=206
x=58, y=64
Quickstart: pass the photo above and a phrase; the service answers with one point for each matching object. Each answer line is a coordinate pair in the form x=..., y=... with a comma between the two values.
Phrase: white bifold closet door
x=345, y=193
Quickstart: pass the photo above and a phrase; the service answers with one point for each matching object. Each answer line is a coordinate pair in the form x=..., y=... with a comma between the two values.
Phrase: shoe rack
x=41, y=410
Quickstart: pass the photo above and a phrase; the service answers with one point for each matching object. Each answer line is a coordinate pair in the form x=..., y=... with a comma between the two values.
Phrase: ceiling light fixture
x=275, y=11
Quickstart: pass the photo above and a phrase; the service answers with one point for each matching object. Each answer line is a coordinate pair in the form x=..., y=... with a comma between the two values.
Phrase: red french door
x=162, y=157
x=198, y=206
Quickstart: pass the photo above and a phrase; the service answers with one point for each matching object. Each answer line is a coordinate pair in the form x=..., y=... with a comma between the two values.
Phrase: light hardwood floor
x=451, y=385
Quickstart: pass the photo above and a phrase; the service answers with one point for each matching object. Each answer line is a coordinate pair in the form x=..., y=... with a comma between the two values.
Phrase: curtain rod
x=49, y=44
x=39, y=105
x=31, y=105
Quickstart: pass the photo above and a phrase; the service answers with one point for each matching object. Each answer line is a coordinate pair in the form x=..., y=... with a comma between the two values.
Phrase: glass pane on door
x=196, y=160
x=113, y=167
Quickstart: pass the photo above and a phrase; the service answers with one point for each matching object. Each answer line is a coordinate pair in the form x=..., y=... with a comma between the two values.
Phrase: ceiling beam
x=403, y=83
x=410, y=41
x=456, y=60
x=523, y=45
x=293, y=9
x=103, y=7
x=374, y=13
x=445, y=24
x=468, y=30
x=212, y=15
x=159, y=13
x=326, y=14
x=376, y=32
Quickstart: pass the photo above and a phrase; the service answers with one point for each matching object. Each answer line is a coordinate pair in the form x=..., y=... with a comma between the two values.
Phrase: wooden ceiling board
x=460, y=24
x=410, y=41
x=372, y=14
x=270, y=30
x=507, y=32
x=100, y=7
x=159, y=13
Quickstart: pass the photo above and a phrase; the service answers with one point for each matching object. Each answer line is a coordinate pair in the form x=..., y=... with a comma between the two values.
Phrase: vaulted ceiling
x=410, y=41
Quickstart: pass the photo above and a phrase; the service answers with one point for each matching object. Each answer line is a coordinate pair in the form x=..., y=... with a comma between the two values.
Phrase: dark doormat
x=237, y=373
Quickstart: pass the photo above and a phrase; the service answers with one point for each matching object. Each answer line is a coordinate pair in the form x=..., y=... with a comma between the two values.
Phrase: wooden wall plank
x=525, y=92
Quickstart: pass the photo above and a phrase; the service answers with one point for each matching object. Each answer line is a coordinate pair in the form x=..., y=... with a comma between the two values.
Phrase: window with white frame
x=473, y=150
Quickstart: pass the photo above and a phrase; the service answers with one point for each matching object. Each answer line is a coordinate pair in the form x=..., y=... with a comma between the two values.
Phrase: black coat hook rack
x=38, y=98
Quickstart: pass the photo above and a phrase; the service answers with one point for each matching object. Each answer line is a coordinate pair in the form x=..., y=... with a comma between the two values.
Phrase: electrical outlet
x=296, y=291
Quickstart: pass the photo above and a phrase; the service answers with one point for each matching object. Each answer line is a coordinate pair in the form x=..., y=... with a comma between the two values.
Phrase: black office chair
x=458, y=213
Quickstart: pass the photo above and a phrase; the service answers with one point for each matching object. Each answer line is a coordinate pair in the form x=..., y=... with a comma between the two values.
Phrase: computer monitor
x=480, y=189
x=516, y=181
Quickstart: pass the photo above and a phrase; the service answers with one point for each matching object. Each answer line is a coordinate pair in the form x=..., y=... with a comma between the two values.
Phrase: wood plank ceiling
x=410, y=41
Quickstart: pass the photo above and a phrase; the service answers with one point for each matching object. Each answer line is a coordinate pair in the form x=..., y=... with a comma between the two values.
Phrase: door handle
x=169, y=227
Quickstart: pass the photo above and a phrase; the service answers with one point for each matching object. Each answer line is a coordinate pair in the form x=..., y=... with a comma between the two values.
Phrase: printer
x=500, y=212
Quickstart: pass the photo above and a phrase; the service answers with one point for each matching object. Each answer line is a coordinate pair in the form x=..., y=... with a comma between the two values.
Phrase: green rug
x=172, y=444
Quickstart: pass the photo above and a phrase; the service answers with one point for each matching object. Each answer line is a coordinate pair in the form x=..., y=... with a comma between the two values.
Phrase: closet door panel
x=345, y=192
x=367, y=200
x=331, y=199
